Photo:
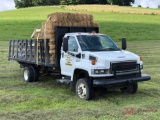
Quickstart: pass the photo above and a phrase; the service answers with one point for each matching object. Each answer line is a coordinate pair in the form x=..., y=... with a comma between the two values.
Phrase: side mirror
x=65, y=44
x=124, y=44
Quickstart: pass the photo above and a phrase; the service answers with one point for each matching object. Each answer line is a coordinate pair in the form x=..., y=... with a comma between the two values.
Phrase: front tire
x=84, y=89
x=28, y=74
x=130, y=89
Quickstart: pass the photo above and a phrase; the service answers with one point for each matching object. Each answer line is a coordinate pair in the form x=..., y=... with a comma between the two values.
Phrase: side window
x=72, y=44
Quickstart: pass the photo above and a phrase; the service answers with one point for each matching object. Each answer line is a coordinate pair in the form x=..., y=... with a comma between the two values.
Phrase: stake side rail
x=25, y=51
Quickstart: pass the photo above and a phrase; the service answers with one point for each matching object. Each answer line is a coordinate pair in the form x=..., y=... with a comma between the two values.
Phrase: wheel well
x=78, y=73
x=22, y=65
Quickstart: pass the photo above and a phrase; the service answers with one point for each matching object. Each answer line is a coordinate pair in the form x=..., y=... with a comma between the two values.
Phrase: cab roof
x=82, y=33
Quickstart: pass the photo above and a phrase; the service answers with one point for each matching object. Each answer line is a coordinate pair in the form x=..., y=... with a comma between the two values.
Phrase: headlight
x=100, y=71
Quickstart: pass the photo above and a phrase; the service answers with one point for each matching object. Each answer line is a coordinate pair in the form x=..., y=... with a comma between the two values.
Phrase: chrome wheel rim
x=25, y=75
x=82, y=90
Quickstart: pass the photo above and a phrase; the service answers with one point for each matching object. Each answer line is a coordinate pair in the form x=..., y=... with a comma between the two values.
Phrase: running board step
x=65, y=80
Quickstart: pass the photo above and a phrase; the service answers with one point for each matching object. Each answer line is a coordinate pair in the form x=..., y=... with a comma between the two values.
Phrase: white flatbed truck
x=84, y=59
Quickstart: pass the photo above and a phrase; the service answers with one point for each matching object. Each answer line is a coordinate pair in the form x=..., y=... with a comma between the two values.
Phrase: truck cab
x=94, y=60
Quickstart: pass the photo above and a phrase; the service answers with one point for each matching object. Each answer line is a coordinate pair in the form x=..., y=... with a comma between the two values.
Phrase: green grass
x=48, y=100
x=18, y=24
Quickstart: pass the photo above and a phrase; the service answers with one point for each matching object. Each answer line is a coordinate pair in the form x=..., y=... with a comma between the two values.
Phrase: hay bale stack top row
x=73, y=17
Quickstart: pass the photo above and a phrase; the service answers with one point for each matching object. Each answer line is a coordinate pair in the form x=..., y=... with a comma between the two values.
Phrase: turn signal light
x=93, y=62
x=141, y=58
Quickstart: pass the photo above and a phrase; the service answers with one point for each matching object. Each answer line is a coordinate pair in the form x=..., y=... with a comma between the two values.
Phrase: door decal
x=69, y=60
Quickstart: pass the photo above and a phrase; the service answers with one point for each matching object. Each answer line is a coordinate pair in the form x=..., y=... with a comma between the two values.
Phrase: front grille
x=124, y=67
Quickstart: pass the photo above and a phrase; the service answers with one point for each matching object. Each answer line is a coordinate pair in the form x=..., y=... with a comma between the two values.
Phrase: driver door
x=68, y=58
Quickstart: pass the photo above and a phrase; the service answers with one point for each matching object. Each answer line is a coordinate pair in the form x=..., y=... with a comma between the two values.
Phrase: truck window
x=96, y=43
x=72, y=44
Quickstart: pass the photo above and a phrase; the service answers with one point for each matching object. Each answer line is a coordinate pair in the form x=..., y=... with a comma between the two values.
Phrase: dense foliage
x=29, y=3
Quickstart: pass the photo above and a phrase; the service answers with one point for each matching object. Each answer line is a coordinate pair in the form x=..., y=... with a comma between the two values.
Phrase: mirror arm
x=78, y=55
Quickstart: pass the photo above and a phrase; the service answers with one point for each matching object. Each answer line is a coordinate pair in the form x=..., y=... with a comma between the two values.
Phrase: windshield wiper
x=92, y=49
x=110, y=49
x=105, y=49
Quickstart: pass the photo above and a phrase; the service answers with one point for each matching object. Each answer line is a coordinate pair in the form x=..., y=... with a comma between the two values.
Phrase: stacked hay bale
x=62, y=19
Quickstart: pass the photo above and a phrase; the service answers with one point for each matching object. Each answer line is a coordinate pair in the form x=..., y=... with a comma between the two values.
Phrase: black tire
x=35, y=73
x=130, y=89
x=84, y=89
x=28, y=74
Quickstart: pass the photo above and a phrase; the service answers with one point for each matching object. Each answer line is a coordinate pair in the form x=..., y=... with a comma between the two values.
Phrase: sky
x=7, y=5
x=147, y=3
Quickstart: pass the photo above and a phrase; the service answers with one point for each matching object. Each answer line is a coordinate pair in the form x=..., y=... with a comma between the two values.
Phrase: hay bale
x=52, y=51
x=88, y=23
x=54, y=17
x=51, y=17
x=91, y=17
x=52, y=42
x=95, y=24
x=52, y=47
x=88, y=17
x=52, y=61
x=47, y=25
x=74, y=24
x=52, y=56
x=83, y=24
x=74, y=17
x=83, y=16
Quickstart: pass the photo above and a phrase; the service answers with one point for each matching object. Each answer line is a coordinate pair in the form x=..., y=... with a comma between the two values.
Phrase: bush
x=158, y=6
x=139, y=6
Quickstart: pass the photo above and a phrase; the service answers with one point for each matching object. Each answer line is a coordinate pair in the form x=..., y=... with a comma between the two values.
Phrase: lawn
x=48, y=100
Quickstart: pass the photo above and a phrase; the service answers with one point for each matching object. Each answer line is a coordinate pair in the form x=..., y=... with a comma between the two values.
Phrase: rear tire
x=35, y=73
x=130, y=89
x=28, y=74
x=84, y=89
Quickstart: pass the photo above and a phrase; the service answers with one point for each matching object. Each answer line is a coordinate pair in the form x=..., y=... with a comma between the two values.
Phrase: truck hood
x=116, y=55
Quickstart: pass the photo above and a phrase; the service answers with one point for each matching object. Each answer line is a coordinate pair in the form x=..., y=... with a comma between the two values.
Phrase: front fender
x=87, y=66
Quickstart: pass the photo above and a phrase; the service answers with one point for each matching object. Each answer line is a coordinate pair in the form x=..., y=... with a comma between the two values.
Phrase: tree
x=18, y=4
x=37, y=2
x=23, y=3
x=29, y=3
x=89, y=1
x=102, y=1
x=64, y=2
x=72, y=2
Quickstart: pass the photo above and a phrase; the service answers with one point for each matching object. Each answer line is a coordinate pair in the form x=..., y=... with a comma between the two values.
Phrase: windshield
x=96, y=43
